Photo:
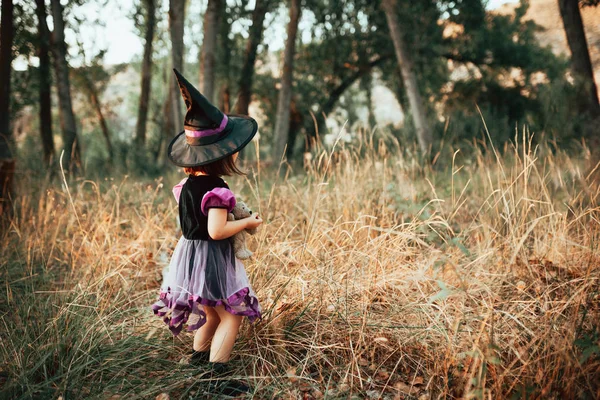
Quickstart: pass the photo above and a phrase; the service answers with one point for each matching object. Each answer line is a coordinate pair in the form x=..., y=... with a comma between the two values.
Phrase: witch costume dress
x=203, y=271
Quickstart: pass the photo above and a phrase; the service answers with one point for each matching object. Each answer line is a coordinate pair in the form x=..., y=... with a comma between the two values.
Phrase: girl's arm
x=219, y=228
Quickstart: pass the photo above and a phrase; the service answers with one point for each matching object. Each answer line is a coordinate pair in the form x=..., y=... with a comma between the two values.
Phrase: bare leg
x=224, y=338
x=207, y=331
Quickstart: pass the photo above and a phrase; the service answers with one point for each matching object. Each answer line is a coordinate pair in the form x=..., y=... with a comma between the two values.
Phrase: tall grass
x=379, y=277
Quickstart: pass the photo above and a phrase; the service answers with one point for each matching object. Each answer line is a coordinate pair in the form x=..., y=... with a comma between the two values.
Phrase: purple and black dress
x=203, y=271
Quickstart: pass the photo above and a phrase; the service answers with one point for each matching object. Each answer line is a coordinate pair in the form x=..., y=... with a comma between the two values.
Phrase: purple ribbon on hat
x=208, y=132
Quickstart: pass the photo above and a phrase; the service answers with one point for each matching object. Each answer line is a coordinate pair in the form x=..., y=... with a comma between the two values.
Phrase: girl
x=206, y=286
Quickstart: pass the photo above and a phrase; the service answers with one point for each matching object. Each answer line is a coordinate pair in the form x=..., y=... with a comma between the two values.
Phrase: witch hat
x=209, y=135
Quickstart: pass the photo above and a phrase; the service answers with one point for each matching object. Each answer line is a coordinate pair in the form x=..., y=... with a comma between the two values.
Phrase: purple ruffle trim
x=180, y=313
x=218, y=197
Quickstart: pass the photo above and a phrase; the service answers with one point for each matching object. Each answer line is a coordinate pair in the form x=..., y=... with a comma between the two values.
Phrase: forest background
x=512, y=63
x=427, y=171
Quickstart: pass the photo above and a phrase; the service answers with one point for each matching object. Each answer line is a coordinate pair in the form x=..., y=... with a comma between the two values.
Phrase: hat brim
x=240, y=131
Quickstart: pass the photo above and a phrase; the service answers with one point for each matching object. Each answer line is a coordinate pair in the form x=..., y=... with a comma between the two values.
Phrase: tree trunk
x=296, y=122
x=408, y=76
x=209, y=47
x=176, y=22
x=94, y=99
x=67, y=117
x=254, y=39
x=400, y=93
x=140, y=129
x=168, y=126
x=163, y=123
x=45, y=101
x=580, y=56
x=226, y=99
x=222, y=77
x=366, y=84
x=7, y=161
x=282, y=120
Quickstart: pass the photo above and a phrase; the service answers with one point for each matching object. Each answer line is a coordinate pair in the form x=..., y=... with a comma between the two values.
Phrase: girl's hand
x=253, y=221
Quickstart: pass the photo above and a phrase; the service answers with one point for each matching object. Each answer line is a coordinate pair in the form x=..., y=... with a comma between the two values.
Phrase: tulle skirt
x=204, y=272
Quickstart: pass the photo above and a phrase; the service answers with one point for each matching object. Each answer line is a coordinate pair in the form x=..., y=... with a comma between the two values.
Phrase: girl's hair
x=225, y=166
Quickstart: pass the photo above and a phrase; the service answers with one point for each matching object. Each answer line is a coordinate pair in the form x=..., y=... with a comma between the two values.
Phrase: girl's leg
x=207, y=331
x=224, y=338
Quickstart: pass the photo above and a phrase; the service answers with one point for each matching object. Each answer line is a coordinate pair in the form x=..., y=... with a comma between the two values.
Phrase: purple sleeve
x=177, y=189
x=218, y=198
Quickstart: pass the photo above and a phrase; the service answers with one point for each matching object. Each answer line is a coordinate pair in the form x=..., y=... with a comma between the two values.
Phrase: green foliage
x=25, y=35
x=24, y=84
x=488, y=61
x=508, y=75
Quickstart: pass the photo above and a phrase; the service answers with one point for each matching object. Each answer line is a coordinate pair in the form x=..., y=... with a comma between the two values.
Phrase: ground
x=379, y=276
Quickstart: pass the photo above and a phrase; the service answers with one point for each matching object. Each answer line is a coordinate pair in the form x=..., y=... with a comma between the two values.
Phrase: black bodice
x=194, y=224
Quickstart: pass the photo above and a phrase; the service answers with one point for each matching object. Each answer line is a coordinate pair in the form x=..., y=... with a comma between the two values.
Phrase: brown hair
x=225, y=166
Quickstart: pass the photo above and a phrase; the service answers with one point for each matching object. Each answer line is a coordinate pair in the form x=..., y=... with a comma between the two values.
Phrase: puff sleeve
x=177, y=189
x=218, y=198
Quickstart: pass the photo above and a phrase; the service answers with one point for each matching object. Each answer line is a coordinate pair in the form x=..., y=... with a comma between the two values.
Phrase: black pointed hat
x=209, y=135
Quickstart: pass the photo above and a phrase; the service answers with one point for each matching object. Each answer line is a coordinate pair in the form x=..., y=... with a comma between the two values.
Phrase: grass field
x=378, y=277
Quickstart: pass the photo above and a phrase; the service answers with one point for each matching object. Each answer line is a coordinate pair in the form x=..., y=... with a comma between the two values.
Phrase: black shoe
x=199, y=357
x=221, y=384
x=233, y=388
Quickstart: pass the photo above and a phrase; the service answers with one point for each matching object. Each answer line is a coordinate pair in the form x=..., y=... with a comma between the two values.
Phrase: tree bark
x=581, y=64
x=222, y=78
x=282, y=120
x=140, y=129
x=67, y=117
x=366, y=84
x=408, y=76
x=103, y=125
x=254, y=39
x=296, y=122
x=209, y=47
x=176, y=23
x=168, y=130
x=45, y=101
x=225, y=99
x=95, y=100
x=400, y=92
x=7, y=161
x=6, y=55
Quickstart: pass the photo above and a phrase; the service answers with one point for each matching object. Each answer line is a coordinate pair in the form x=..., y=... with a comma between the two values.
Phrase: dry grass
x=378, y=279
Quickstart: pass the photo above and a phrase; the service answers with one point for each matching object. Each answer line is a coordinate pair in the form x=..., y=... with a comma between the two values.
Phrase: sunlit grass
x=378, y=277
